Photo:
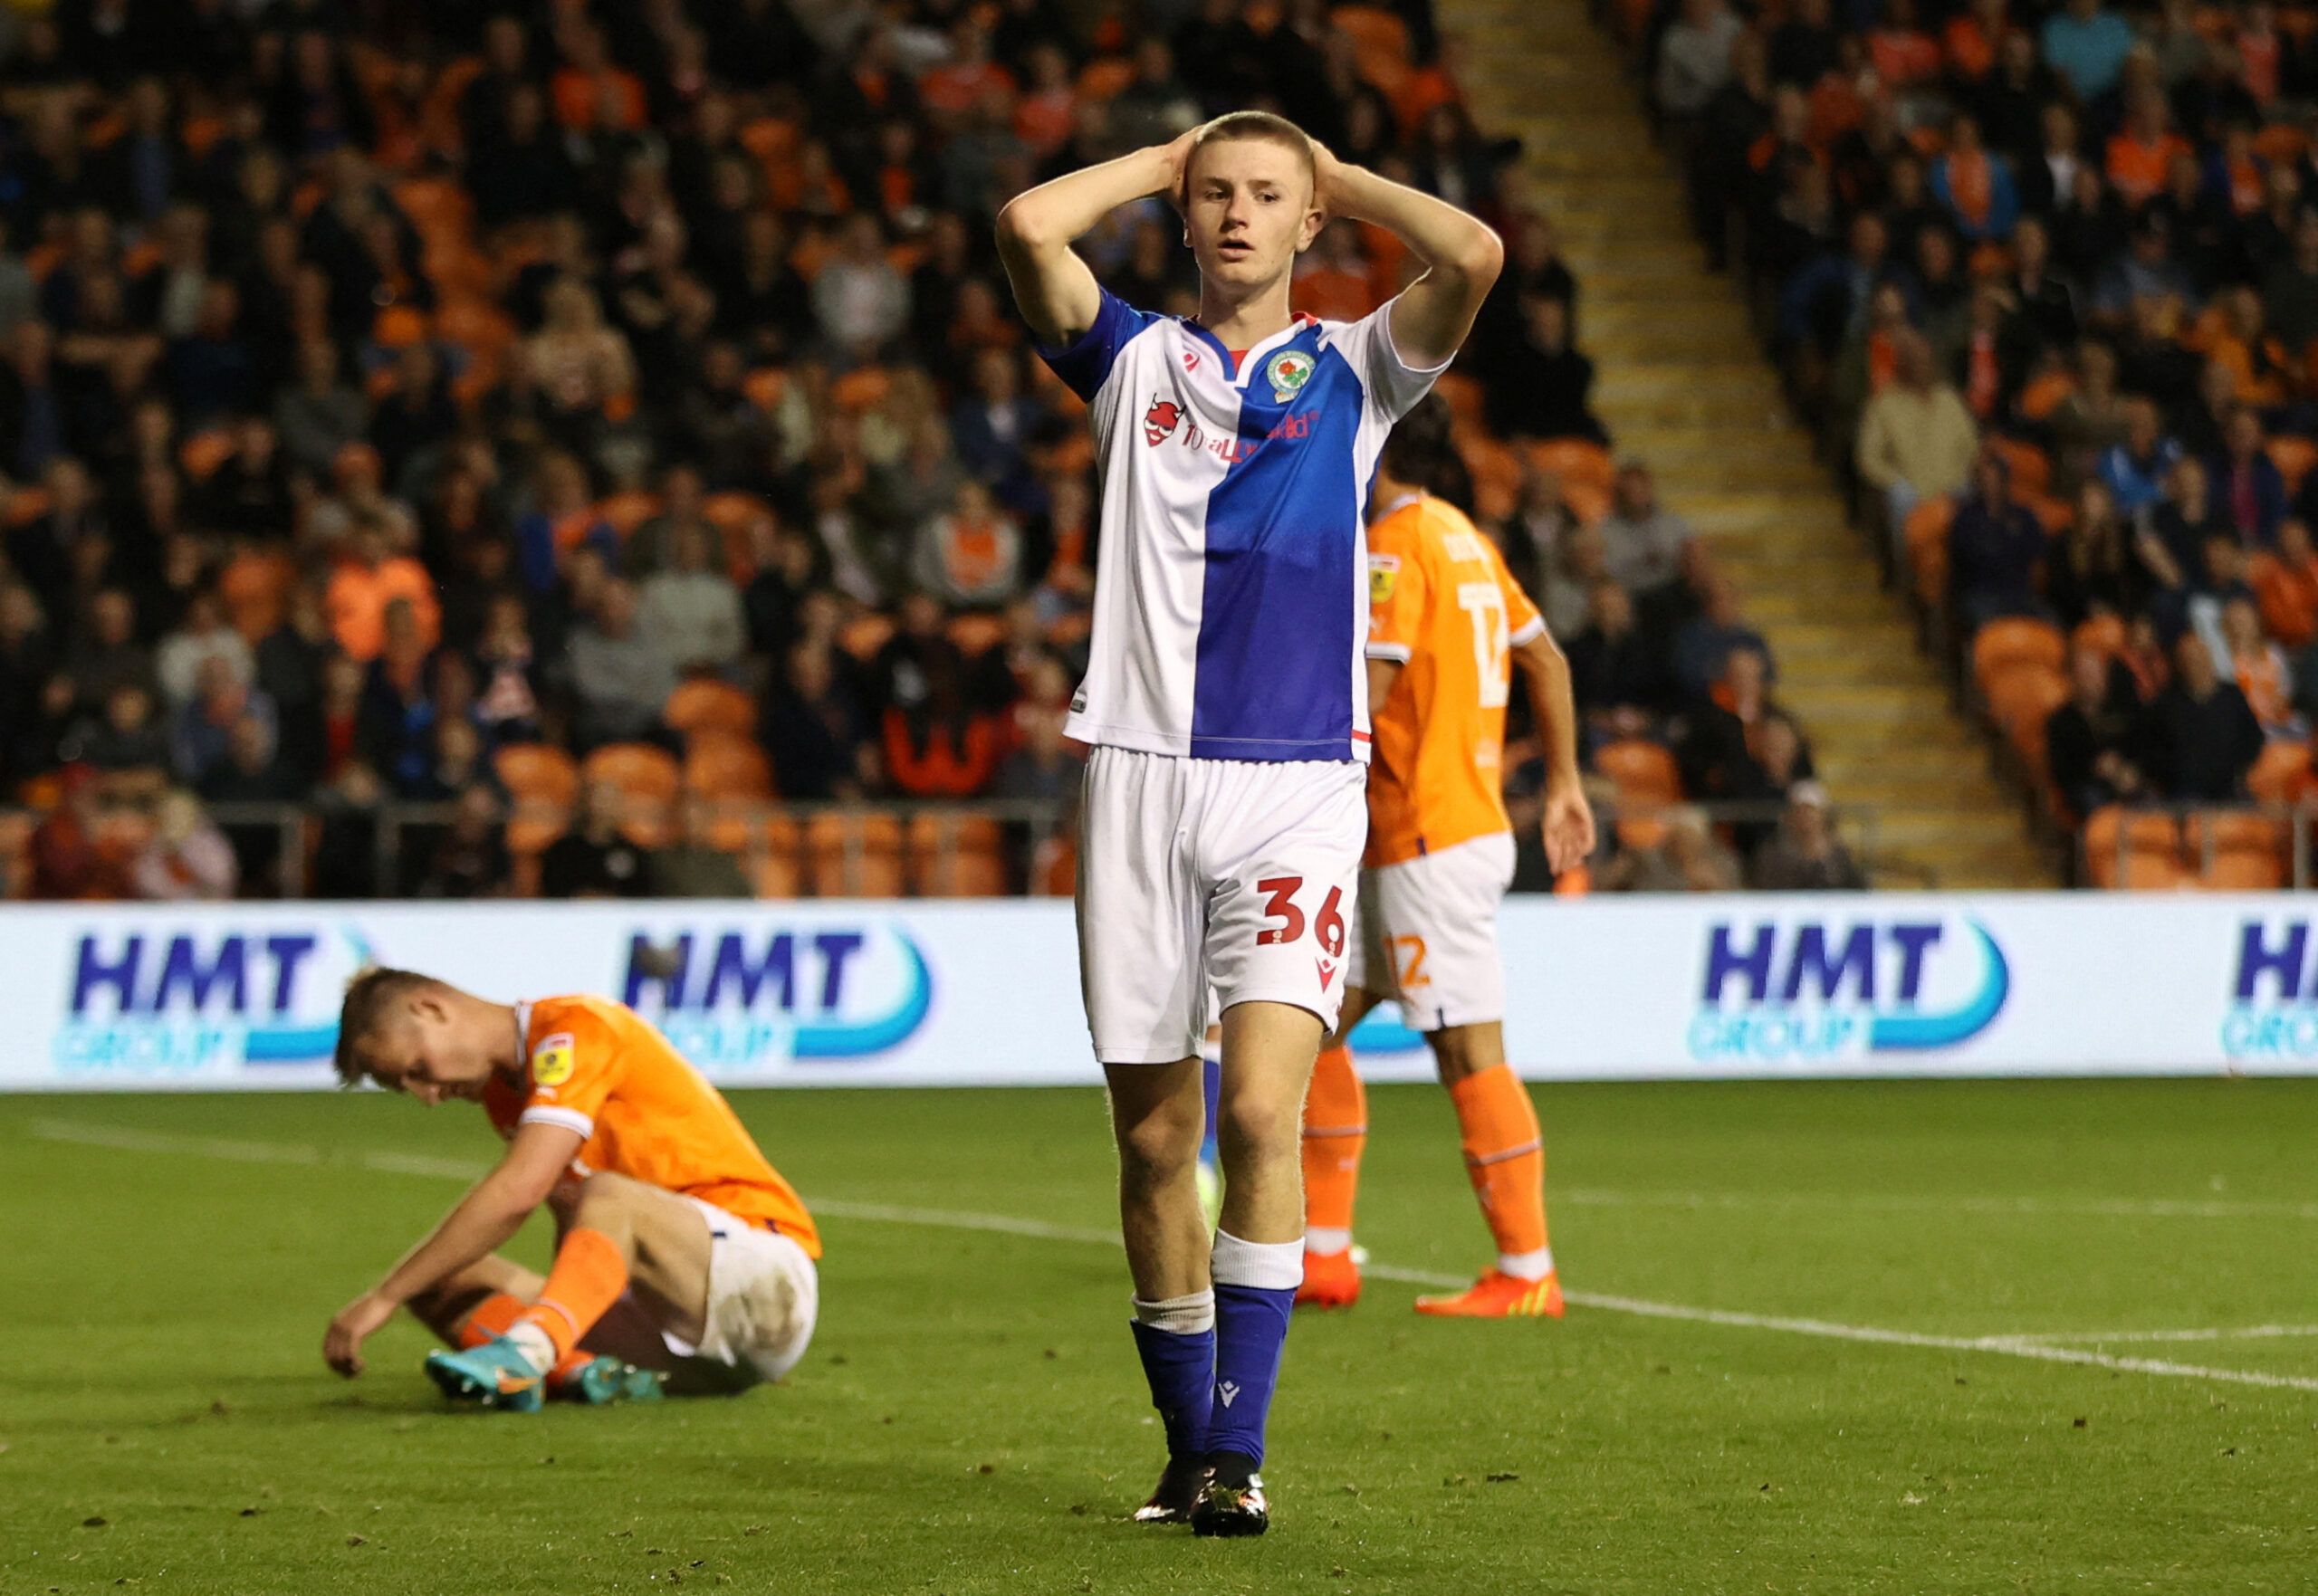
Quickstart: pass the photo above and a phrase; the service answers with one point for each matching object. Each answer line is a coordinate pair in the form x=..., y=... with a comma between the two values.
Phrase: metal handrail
x=2297, y=817
x=1043, y=824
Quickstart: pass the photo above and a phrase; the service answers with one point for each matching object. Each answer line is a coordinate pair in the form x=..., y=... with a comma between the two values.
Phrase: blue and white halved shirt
x=1231, y=593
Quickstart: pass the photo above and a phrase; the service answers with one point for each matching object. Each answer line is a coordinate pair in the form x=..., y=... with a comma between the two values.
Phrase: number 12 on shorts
x=1279, y=904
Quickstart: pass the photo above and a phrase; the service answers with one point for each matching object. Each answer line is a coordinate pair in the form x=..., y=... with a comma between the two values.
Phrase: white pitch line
x=2114, y=1337
x=2011, y=1346
x=2099, y=1208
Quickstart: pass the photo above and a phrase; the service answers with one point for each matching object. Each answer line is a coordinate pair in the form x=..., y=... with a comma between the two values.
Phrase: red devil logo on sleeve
x=1159, y=422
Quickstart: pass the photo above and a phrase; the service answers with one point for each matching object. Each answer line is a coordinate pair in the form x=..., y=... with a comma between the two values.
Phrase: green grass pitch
x=971, y=1418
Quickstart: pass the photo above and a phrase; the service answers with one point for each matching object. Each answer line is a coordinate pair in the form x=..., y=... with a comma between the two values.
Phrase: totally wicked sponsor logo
x=2274, y=993
x=170, y=1000
x=1811, y=990
x=754, y=995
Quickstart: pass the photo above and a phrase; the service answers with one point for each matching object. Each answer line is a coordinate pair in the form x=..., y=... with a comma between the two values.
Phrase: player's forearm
x=1447, y=240
x=485, y=1220
x=1553, y=704
x=1050, y=215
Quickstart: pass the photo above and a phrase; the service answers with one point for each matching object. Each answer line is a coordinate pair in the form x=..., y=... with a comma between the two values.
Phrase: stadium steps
x=1684, y=385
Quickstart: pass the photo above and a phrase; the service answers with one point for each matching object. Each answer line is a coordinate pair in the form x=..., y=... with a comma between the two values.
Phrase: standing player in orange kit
x=1447, y=622
x=681, y=1253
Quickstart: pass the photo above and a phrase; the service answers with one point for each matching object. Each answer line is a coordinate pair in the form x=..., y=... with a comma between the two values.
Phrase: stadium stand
x=435, y=435
x=2046, y=280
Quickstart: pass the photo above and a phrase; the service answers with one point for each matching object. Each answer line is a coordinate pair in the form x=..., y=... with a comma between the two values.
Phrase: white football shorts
x=1233, y=873
x=1428, y=934
x=764, y=1298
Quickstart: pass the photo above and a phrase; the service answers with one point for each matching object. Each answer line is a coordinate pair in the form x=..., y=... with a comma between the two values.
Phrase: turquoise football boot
x=495, y=1374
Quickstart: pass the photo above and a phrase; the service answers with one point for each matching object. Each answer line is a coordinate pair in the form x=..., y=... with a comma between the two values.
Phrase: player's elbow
x=1480, y=257
x=1021, y=227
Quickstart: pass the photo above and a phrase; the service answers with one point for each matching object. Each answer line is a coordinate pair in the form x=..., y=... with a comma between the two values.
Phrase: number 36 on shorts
x=1285, y=920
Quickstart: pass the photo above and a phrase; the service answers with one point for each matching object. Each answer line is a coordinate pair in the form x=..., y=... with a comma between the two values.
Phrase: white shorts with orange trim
x=764, y=1298
x=1428, y=934
x=1238, y=874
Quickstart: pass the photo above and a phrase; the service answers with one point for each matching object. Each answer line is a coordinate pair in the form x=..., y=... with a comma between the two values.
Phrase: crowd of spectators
x=386, y=387
x=2049, y=275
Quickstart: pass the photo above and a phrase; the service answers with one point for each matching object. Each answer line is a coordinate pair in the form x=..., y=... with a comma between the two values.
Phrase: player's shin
x=589, y=1274
x=1176, y=1342
x=1335, y=1132
x=1505, y=1158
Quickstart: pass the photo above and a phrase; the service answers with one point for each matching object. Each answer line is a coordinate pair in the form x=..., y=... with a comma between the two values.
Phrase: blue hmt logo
x=2274, y=1010
x=196, y=1000
x=1811, y=991
x=740, y=998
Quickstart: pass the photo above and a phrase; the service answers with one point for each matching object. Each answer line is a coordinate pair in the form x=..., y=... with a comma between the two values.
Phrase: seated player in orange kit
x=682, y=1256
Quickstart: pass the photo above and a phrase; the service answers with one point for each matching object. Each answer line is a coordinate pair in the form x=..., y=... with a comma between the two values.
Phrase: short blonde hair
x=1263, y=126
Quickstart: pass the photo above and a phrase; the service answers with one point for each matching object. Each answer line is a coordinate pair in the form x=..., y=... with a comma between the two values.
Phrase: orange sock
x=587, y=1277
x=1335, y=1130
x=1505, y=1158
x=495, y=1315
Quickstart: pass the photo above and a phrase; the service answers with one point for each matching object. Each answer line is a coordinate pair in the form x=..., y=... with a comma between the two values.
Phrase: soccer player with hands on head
x=1448, y=624
x=1225, y=701
x=684, y=1262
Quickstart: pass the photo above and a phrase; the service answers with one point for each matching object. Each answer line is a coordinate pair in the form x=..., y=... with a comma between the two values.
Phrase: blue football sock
x=1255, y=1292
x=1180, y=1364
x=1211, y=1085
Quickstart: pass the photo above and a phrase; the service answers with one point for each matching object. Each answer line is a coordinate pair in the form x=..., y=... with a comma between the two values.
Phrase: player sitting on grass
x=681, y=1255
x=1446, y=622
x=1224, y=699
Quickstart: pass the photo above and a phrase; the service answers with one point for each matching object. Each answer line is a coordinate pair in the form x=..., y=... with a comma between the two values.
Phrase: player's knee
x=1160, y=1146
x=1259, y=1125
x=600, y=1201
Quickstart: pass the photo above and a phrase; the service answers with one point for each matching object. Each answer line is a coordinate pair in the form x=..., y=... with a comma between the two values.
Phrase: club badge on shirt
x=1288, y=372
x=552, y=1060
x=1384, y=572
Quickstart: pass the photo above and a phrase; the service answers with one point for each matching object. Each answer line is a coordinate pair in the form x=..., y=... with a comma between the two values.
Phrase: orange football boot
x=1331, y=1280
x=1496, y=1295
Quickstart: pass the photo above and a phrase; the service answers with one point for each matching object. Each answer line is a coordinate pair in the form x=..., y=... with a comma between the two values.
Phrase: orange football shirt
x=1442, y=606
x=597, y=1068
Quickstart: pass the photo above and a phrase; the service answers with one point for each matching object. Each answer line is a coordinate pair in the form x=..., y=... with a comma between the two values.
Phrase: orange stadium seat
x=1103, y=77
x=2011, y=641
x=202, y=453
x=770, y=858
x=2102, y=633
x=2031, y=471
x=854, y=854
x=976, y=634
x=650, y=779
x=2292, y=455
x=1645, y=771
x=16, y=829
x=2150, y=846
x=2021, y=698
x=2239, y=850
x=719, y=765
x=542, y=781
x=2280, y=773
x=955, y=853
x=864, y=634
x=1926, y=539
x=624, y=512
x=705, y=705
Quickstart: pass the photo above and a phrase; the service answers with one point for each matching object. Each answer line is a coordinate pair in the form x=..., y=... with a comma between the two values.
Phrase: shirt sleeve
x=1397, y=584
x=573, y=1068
x=1086, y=365
x=1394, y=385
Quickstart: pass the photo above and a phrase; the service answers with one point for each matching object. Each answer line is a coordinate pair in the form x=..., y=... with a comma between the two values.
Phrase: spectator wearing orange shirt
x=973, y=554
x=941, y=747
x=1973, y=39
x=2141, y=152
x=366, y=581
x=591, y=95
x=2285, y=587
x=1901, y=52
